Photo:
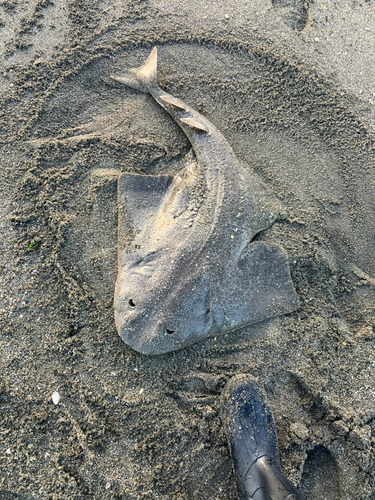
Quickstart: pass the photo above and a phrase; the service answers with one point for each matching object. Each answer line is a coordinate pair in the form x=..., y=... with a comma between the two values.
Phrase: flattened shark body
x=193, y=270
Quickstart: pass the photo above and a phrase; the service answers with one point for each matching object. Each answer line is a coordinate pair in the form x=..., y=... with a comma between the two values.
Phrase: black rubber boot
x=251, y=434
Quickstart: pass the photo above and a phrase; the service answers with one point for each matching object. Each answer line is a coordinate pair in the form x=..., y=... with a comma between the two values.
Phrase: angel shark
x=192, y=270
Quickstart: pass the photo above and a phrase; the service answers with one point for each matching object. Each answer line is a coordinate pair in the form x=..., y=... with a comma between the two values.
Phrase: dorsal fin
x=173, y=100
x=193, y=122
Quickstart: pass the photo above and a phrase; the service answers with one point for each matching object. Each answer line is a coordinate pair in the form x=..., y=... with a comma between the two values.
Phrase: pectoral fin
x=140, y=198
x=264, y=288
x=267, y=269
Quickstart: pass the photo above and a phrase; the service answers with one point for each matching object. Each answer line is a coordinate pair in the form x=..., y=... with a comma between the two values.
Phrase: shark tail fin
x=142, y=78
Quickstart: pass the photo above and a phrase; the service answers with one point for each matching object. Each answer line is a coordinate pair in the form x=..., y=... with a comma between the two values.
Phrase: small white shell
x=56, y=398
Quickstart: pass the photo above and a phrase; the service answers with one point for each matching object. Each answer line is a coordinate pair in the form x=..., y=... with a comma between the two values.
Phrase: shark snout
x=154, y=332
x=153, y=323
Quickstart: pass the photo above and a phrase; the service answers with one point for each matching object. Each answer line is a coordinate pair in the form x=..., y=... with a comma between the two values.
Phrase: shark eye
x=170, y=331
x=131, y=303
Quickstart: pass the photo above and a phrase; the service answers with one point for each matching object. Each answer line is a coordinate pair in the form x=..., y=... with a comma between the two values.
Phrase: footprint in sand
x=294, y=13
x=320, y=480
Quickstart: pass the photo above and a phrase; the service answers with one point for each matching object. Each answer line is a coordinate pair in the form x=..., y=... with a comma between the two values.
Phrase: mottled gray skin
x=192, y=271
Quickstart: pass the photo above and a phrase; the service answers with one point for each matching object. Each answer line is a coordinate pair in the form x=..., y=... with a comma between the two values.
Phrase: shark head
x=158, y=310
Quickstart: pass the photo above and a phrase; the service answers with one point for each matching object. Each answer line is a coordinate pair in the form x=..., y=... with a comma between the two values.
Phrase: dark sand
x=292, y=88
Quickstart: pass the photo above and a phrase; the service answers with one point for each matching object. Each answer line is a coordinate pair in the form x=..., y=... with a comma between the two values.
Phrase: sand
x=291, y=86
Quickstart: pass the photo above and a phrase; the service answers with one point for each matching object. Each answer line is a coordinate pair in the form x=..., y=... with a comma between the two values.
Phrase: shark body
x=193, y=270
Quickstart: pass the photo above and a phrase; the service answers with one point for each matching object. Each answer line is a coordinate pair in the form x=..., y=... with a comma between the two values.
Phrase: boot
x=251, y=435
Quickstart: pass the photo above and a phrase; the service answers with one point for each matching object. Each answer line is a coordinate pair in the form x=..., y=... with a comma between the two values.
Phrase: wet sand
x=291, y=86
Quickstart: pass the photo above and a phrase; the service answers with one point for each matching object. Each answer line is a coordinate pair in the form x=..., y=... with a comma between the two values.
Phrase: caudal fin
x=142, y=78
